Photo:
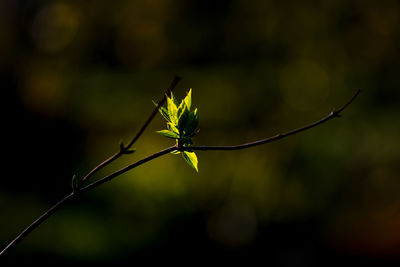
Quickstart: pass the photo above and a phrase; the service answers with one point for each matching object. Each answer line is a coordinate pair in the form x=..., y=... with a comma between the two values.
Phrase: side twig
x=77, y=192
x=333, y=114
x=125, y=149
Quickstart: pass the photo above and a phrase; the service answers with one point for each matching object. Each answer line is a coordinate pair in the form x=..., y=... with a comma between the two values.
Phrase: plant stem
x=62, y=202
x=139, y=133
x=333, y=114
x=37, y=222
x=127, y=168
x=77, y=192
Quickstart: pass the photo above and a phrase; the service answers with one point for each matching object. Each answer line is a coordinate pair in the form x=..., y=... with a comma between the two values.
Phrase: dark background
x=78, y=76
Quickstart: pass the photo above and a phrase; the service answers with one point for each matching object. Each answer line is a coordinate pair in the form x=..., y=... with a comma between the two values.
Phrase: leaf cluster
x=182, y=125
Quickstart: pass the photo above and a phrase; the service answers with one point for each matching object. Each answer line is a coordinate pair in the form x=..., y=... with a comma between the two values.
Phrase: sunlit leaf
x=171, y=127
x=163, y=111
x=168, y=134
x=174, y=100
x=188, y=99
x=172, y=110
x=191, y=159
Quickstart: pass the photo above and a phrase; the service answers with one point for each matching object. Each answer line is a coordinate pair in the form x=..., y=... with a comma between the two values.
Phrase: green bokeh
x=257, y=68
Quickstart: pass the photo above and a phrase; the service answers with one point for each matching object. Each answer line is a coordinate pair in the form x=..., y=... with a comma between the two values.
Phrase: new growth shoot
x=182, y=126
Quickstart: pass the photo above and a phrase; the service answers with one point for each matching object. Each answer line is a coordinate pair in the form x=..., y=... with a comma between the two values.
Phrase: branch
x=127, y=168
x=333, y=114
x=37, y=222
x=79, y=190
x=125, y=149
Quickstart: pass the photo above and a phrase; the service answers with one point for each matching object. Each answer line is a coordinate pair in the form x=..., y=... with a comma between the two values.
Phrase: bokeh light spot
x=54, y=27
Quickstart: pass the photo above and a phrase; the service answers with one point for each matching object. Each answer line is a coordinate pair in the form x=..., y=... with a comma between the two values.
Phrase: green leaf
x=182, y=118
x=168, y=134
x=172, y=110
x=181, y=122
x=163, y=111
x=188, y=99
x=181, y=110
x=171, y=127
x=191, y=159
x=174, y=99
x=191, y=123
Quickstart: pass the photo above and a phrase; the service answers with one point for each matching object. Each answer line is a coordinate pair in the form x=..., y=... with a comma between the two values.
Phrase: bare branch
x=77, y=192
x=37, y=222
x=127, y=168
x=333, y=114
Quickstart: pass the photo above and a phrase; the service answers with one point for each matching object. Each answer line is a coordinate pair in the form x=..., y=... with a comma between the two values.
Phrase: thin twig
x=123, y=149
x=77, y=192
x=37, y=222
x=333, y=114
x=127, y=168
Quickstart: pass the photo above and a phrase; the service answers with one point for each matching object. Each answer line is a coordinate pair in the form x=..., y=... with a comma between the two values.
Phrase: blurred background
x=78, y=76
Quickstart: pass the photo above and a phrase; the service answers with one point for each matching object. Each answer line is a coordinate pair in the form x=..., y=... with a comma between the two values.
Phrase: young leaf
x=188, y=99
x=191, y=123
x=174, y=99
x=168, y=134
x=182, y=110
x=171, y=127
x=191, y=159
x=182, y=118
x=172, y=110
x=163, y=111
